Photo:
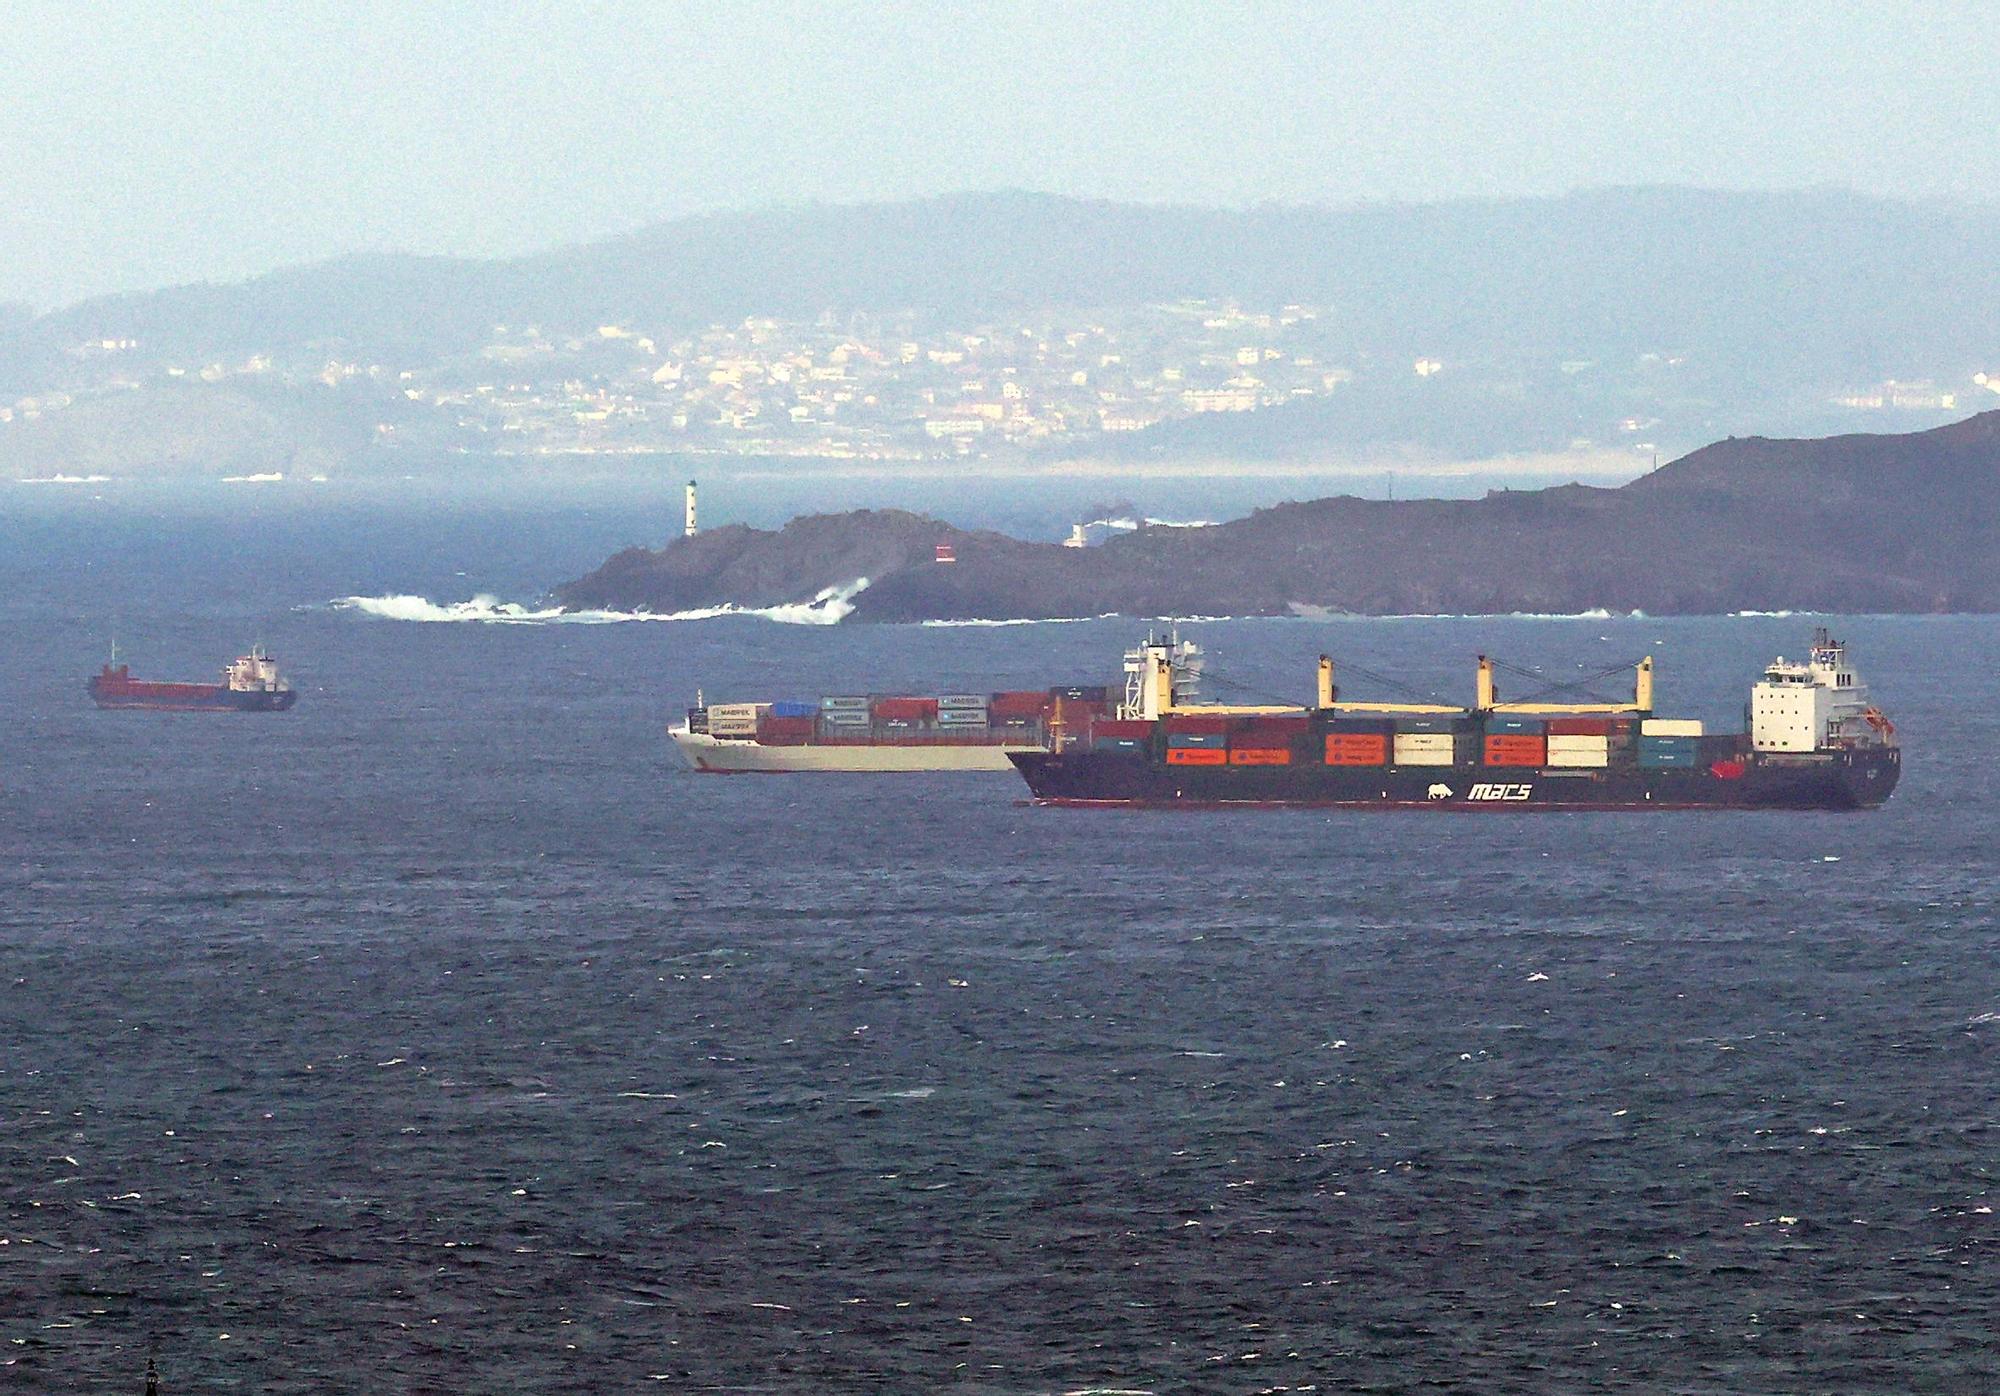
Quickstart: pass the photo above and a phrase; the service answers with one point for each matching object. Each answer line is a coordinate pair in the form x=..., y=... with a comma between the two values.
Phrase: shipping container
x=1260, y=756
x=1117, y=744
x=1514, y=724
x=736, y=711
x=904, y=709
x=1669, y=751
x=845, y=717
x=1357, y=749
x=781, y=730
x=1211, y=740
x=1017, y=703
x=1579, y=727
x=962, y=700
x=1514, y=749
x=1197, y=756
x=1432, y=724
x=792, y=707
x=854, y=703
x=1380, y=726
x=1670, y=727
x=1197, y=722
x=1571, y=749
x=960, y=720
x=1425, y=748
x=1122, y=727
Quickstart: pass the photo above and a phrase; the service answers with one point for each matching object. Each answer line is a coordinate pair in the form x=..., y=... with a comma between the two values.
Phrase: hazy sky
x=145, y=144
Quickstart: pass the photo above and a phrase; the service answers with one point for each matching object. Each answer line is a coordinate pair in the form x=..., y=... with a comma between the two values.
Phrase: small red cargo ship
x=249, y=685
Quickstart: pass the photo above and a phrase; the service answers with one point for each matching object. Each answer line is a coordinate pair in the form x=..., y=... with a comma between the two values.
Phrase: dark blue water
x=444, y=1035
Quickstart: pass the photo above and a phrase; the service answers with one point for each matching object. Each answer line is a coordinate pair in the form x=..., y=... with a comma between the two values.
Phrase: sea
x=447, y=1035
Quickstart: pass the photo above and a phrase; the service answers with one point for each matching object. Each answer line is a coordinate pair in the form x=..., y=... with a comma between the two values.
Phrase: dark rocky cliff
x=1852, y=523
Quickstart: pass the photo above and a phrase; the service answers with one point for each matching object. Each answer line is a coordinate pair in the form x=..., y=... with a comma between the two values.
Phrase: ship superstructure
x=1814, y=742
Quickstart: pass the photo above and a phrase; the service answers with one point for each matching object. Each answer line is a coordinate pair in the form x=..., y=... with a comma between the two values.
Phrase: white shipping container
x=1670, y=727
x=963, y=700
x=735, y=712
x=1577, y=758
x=1424, y=749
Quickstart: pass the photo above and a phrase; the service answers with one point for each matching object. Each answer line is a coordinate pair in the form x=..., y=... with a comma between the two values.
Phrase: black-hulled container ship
x=1814, y=742
x=250, y=684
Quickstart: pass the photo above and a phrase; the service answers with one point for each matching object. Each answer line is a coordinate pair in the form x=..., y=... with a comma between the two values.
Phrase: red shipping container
x=1260, y=756
x=1111, y=727
x=1196, y=724
x=1515, y=750
x=909, y=709
x=1578, y=726
x=785, y=731
x=1197, y=756
x=1357, y=749
x=1018, y=703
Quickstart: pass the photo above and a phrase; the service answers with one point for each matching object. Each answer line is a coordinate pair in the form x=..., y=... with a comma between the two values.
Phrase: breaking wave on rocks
x=829, y=607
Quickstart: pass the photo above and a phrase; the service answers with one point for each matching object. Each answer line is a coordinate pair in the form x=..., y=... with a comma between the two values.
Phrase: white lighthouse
x=689, y=531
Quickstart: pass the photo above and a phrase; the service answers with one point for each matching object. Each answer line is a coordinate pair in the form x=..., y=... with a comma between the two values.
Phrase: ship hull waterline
x=1828, y=781
x=721, y=756
x=221, y=700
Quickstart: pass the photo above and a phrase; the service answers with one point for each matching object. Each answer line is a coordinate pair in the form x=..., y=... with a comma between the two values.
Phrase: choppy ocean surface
x=445, y=1035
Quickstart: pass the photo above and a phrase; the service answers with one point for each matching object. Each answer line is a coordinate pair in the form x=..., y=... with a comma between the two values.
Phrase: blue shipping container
x=1197, y=739
x=1659, y=752
x=1499, y=722
x=787, y=707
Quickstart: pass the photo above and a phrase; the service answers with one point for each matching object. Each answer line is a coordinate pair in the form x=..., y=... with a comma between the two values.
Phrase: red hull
x=116, y=688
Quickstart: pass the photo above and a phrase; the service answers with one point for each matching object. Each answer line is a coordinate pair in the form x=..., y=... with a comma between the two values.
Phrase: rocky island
x=1890, y=523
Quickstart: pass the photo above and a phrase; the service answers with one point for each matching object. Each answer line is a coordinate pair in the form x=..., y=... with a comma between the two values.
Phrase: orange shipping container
x=1515, y=751
x=1197, y=756
x=1357, y=749
x=1260, y=756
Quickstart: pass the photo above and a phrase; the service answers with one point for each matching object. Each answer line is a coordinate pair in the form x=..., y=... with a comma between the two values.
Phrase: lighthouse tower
x=689, y=531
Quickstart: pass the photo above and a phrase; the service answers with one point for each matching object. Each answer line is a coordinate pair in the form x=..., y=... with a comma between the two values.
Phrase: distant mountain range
x=1904, y=523
x=1760, y=283
x=1764, y=304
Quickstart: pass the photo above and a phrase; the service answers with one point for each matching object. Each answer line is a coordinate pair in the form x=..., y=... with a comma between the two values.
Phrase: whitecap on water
x=831, y=606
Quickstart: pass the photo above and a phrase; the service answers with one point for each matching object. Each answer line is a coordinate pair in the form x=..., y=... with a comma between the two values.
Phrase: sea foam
x=829, y=607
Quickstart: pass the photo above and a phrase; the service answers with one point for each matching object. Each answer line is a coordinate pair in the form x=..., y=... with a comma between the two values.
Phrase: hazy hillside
x=1764, y=284
x=1627, y=319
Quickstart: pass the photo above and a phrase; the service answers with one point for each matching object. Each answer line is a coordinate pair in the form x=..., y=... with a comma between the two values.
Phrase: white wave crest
x=829, y=607
x=267, y=477
x=1024, y=620
x=62, y=480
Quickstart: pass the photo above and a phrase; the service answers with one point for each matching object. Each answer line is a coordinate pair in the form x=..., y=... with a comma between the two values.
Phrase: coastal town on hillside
x=887, y=386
